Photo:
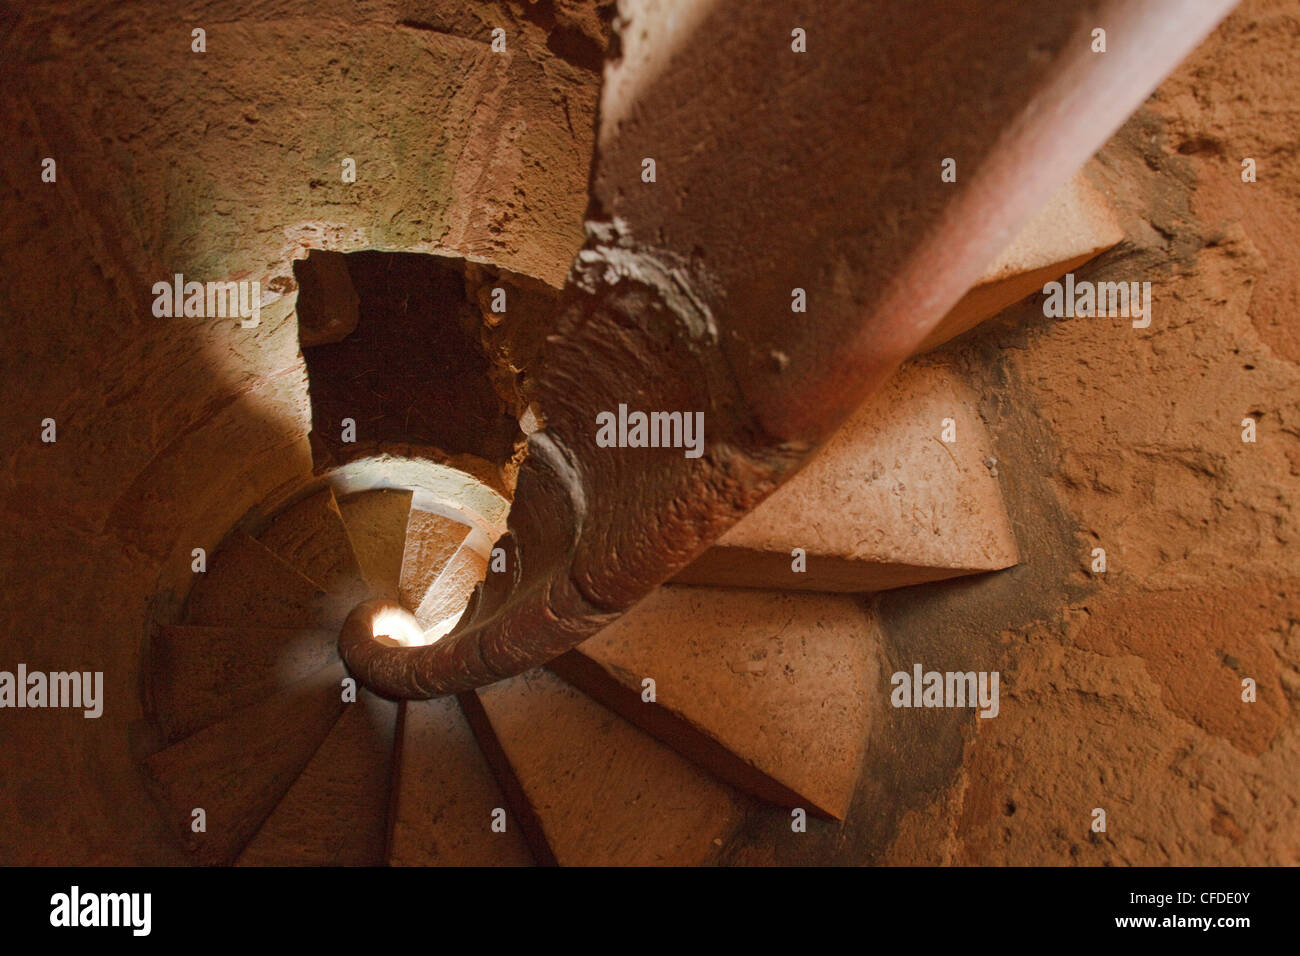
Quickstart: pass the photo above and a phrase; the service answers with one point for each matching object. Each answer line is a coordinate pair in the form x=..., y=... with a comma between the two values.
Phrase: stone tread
x=603, y=792
x=445, y=795
x=199, y=675
x=449, y=594
x=336, y=812
x=884, y=503
x=312, y=537
x=1076, y=225
x=431, y=542
x=376, y=523
x=237, y=770
x=249, y=584
x=768, y=690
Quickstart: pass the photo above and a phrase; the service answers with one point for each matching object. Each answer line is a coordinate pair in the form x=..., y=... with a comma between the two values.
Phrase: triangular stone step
x=199, y=675
x=446, y=794
x=376, y=523
x=237, y=770
x=431, y=542
x=770, y=691
x=248, y=584
x=603, y=792
x=311, y=536
x=1076, y=225
x=447, y=597
x=336, y=812
x=886, y=503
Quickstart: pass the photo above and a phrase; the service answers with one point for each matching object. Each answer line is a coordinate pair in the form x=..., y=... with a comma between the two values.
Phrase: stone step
x=1076, y=225
x=446, y=598
x=770, y=691
x=885, y=503
x=376, y=523
x=249, y=584
x=237, y=770
x=312, y=537
x=199, y=675
x=602, y=792
x=432, y=540
x=336, y=812
x=446, y=794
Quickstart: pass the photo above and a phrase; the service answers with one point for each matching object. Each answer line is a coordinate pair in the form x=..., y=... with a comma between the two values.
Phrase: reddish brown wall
x=1119, y=691
x=1122, y=691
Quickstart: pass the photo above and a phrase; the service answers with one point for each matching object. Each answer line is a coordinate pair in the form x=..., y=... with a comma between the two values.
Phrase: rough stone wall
x=1127, y=694
x=1120, y=691
x=1123, y=690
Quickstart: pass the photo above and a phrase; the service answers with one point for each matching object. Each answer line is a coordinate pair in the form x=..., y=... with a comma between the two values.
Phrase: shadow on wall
x=415, y=349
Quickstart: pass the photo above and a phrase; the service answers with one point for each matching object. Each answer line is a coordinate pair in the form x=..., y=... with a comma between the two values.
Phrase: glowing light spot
x=398, y=627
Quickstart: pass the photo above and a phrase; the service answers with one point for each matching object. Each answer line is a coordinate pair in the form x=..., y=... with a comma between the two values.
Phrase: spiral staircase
x=665, y=642
x=751, y=676
x=759, y=694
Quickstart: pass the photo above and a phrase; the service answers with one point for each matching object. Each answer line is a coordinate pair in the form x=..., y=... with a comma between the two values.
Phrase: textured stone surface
x=882, y=251
x=1131, y=441
x=1076, y=225
x=247, y=583
x=336, y=812
x=312, y=537
x=442, y=810
x=502, y=176
x=886, y=502
x=772, y=692
x=1123, y=690
x=327, y=299
x=376, y=523
x=604, y=792
x=449, y=593
x=198, y=675
x=432, y=540
x=238, y=770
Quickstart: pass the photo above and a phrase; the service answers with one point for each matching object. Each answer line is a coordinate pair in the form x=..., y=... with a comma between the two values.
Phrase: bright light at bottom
x=396, y=626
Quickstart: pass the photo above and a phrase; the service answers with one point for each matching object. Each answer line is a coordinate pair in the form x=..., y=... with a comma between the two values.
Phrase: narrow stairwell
x=273, y=755
x=658, y=659
x=747, y=679
x=643, y=746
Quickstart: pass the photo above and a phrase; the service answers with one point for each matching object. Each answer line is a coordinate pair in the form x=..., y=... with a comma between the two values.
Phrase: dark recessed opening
x=392, y=341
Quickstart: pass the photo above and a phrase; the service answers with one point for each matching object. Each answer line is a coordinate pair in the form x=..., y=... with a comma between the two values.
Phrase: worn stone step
x=771, y=691
x=312, y=537
x=237, y=770
x=885, y=503
x=446, y=598
x=336, y=812
x=432, y=540
x=1076, y=225
x=602, y=792
x=376, y=523
x=249, y=584
x=199, y=675
x=445, y=794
